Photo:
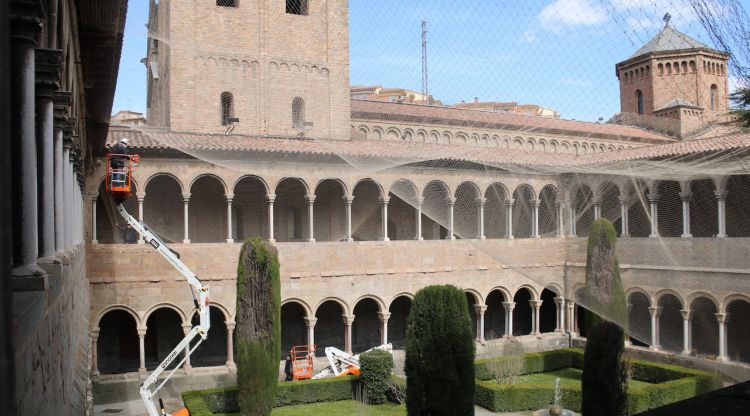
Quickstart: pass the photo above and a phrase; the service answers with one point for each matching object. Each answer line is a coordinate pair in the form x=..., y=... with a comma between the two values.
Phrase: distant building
x=511, y=107
x=392, y=95
x=128, y=118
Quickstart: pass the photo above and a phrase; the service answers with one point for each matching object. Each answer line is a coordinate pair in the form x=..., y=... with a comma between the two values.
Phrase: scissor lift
x=118, y=184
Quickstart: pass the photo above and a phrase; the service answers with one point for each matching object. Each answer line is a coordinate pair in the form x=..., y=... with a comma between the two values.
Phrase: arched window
x=661, y=69
x=298, y=113
x=639, y=98
x=227, y=108
x=296, y=7
x=714, y=97
x=669, y=68
x=227, y=3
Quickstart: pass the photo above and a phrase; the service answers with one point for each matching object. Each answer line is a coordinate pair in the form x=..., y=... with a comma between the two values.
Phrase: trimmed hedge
x=534, y=362
x=515, y=397
x=375, y=372
x=224, y=399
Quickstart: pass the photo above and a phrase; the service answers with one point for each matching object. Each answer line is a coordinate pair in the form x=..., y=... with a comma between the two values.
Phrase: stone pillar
x=383, y=316
x=348, y=200
x=597, y=210
x=230, y=346
x=508, y=306
x=420, y=201
x=481, y=201
x=509, y=218
x=271, y=198
x=624, y=205
x=230, y=198
x=655, y=313
x=186, y=203
x=94, y=359
x=384, y=216
x=685, y=196
x=721, y=200
x=686, y=347
x=653, y=199
x=186, y=366
x=451, y=204
x=570, y=316
x=25, y=25
x=348, y=322
x=480, y=310
x=560, y=313
x=722, y=319
x=62, y=102
x=67, y=192
x=310, y=323
x=535, y=306
x=535, y=218
x=141, y=197
x=572, y=219
x=93, y=219
x=310, y=201
x=560, y=220
x=141, y=352
x=48, y=71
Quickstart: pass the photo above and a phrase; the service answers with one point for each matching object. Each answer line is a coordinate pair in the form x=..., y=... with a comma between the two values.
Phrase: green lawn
x=339, y=408
x=569, y=377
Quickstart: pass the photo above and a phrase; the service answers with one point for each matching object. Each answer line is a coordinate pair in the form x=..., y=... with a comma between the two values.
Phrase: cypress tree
x=258, y=327
x=439, y=354
x=604, y=294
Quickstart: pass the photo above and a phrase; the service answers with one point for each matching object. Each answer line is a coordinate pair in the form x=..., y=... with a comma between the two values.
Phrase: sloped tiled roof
x=422, y=114
x=678, y=102
x=669, y=39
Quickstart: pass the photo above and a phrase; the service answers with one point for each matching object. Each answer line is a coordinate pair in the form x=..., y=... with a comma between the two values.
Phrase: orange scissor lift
x=302, y=361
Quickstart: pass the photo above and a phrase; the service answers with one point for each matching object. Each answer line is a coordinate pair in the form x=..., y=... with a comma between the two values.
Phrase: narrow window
x=227, y=108
x=296, y=7
x=227, y=3
x=714, y=96
x=639, y=97
x=661, y=69
x=298, y=114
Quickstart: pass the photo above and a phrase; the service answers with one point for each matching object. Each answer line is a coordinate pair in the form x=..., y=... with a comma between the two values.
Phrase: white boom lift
x=343, y=363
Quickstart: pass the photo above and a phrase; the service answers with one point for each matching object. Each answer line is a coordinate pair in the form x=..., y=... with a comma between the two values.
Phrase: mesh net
x=521, y=127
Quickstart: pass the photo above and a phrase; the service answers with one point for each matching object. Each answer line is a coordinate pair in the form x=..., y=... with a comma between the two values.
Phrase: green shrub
x=439, y=354
x=525, y=396
x=604, y=295
x=534, y=362
x=258, y=327
x=604, y=382
x=375, y=372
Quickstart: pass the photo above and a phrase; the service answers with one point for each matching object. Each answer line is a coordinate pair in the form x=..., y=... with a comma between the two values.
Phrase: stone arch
x=639, y=317
x=171, y=176
x=402, y=222
x=117, y=340
x=555, y=288
x=392, y=134
x=260, y=180
x=165, y=325
x=366, y=329
x=738, y=199
x=329, y=327
x=495, y=208
x=522, y=313
x=117, y=307
x=548, y=312
x=670, y=208
x=608, y=196
x=329, y=208
x=523, y=200
x=473, y=298
x=670, y=333
x=344, y=306
x=701, y=294
x=163, y=207
x=548, y=210
x=367, y=210
x=446, y=138
x=305, y=306
x=737, y=309
x=466, y=210
x=110, y=227
x=364, y=130
x=435, y=210
x=494, y=316
x=421, y=136
x=250, y=208
x=200, y=176
x=581, y=204
x=290, y=210
x=704, y=328
x=399, y=308
x=530, y=144
x=704, y=211
x=377, y=133
x=208, y=209
x=434, y=137
x=293, y=325
x=213, y=351
x=168, y=305
x=517, y=143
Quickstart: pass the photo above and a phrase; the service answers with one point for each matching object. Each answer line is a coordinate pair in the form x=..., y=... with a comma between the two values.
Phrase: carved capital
x=48, y=64
x=348, y=319
x=25, y=20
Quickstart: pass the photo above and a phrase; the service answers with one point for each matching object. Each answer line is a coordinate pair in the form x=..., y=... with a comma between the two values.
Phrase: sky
x=559, y=54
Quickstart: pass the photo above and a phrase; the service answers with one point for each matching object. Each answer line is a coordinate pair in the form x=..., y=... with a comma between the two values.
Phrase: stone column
x=451, y=203
x=348, y=200
x=310, y=323
x=141, y=197
x=186, y=366
x=653, y=199
x=25, y=25
x=655, y=312
x=384, y=216
x=571, y=306
x=62, y=102
x=141, y=352
x=535, y=218
x=48, y=71
x=624, y=205
x=93, y=219
x=230, y=346
x=420, y=201
x=560, y=312
x=535, y=306
x=481, y=201
x=722, y=319
x=685, y=196
x=508, y=306
x=560, y=220
x=509, y=218
x=685, y=331
x=67, y=192
x=94, y=359
x=383, y=316
x=310, y=201
x=721, y=200
x=572, y=212
x=186, y=203
x=230, y=198
x=480, y=310
x=597, y=209
x=271, y=198
x=348, y=322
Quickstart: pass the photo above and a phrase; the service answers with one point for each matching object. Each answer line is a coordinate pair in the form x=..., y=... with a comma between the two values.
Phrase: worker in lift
x=121, y=148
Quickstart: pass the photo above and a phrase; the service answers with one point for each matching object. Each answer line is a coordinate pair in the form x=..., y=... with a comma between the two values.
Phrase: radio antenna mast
x=425, y=82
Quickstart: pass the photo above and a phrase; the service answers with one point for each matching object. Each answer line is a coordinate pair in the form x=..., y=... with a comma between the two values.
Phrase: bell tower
x=263, y=67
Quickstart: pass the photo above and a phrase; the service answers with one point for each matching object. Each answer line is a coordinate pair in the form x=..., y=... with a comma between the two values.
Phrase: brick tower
x=674, y=82
x=268, y=67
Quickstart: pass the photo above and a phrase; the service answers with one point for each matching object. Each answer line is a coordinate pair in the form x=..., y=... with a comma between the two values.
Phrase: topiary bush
x=604, y=381
x=258, y=327
x=375, y=373
x=604, y=294
x=439, y=354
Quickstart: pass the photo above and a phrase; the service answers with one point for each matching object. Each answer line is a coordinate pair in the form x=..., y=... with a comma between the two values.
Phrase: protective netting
x=476, y=150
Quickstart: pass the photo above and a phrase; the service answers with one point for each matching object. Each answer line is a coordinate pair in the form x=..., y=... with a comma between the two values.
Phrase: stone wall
x=52, y=342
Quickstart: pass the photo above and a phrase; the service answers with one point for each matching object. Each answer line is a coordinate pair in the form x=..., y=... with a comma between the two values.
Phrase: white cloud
x=568, y=13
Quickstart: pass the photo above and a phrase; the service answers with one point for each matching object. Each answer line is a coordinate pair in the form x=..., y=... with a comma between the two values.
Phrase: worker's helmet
x=124, y=141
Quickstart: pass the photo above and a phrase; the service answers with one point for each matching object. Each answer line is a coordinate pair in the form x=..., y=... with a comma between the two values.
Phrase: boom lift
x=119, y=177
x=343, y=363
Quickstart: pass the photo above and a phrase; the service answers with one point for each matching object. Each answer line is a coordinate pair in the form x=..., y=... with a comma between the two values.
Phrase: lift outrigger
x=118, y=184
